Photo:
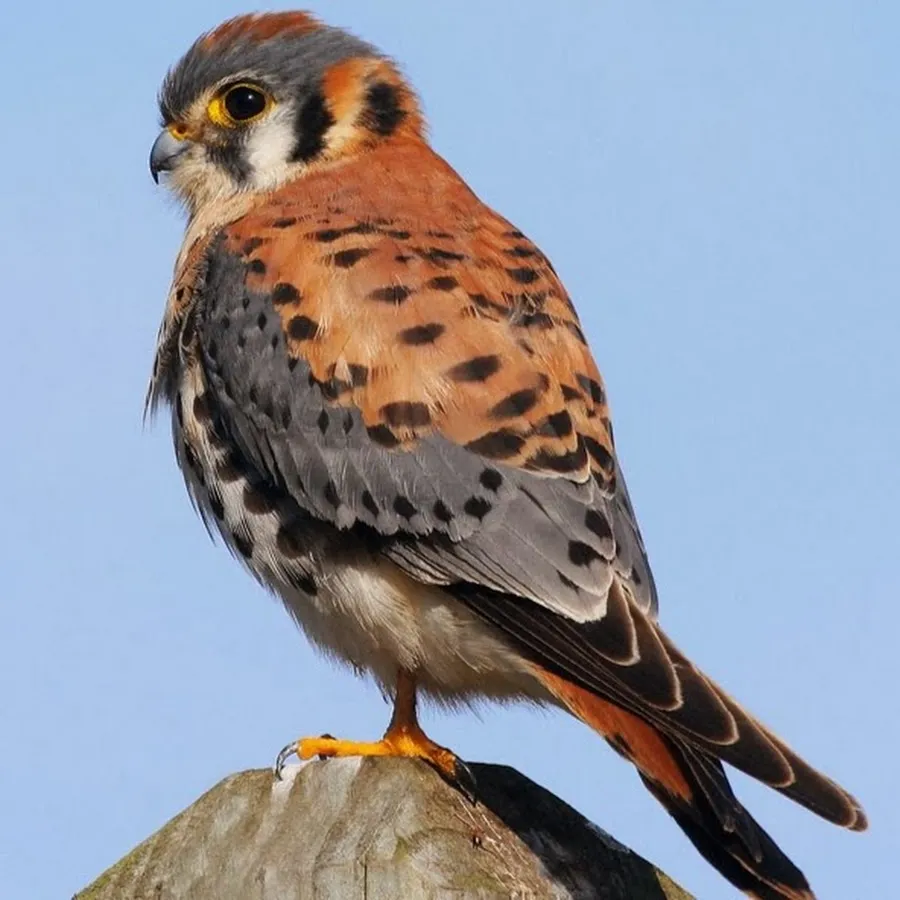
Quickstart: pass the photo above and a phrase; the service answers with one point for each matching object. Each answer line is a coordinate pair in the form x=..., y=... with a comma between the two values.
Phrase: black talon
x=464, y=781
x=326, y=737
x=462, y=778
x=285, y=754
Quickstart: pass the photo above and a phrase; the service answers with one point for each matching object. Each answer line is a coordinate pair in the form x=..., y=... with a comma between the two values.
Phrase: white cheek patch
x=197, y=181
x=268, y=150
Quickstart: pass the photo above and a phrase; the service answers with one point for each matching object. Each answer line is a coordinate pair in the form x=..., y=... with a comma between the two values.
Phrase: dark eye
x=244, y=102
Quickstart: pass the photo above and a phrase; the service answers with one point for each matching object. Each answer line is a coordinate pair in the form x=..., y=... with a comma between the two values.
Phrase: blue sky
x=717, y=185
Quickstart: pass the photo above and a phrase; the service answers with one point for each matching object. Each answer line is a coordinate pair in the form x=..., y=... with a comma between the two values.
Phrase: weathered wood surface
x=379, y=829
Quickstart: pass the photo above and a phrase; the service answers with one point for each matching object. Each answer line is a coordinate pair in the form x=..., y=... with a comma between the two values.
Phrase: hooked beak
x=164, y=153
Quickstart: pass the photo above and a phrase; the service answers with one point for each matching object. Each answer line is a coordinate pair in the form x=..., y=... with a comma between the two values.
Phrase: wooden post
x=380, y=829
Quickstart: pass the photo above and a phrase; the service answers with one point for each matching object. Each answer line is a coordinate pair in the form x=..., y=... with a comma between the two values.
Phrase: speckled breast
x=261, y=525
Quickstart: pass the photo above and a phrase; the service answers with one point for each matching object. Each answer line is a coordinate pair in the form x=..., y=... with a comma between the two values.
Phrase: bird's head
x=265, y=98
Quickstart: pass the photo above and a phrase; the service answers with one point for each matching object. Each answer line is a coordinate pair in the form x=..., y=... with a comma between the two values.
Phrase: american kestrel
x=383, y=400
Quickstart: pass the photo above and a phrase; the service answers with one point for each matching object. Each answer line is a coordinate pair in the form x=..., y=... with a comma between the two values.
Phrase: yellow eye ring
x=239, y=104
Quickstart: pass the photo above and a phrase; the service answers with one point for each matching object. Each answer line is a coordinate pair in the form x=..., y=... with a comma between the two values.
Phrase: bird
x=383, y=401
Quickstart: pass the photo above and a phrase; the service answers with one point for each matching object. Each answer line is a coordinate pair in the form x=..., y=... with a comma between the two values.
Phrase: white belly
x=376, y=618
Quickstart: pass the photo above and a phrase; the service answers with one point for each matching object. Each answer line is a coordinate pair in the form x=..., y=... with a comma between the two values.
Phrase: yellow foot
x=405, y=741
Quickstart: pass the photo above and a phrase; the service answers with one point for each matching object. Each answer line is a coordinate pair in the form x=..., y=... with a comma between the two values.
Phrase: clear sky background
x=718, y=186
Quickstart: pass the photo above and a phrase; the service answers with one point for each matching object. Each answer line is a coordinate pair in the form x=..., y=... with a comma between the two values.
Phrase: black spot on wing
x=422, y=334
x=478, y=368
x=368, y=502
x=403, y=507
x=302, y=328
x=442, y=283
x=558, y=424
x=520, y=252
x=540, y=320
x=523, y=275
x=485, y=304
x=383, y=436
x=601, y=456
x=598, y=523
x=392, y=293
x=442, y=512
x=582, y=554
x=406, y=413
x=562, y=463
x=439, y=257
x=329, y=235
x=477, y=507
x=501, y=444
x=346, y=259
x=285, y=294
x=592, y=388
x=359, y=375
x=516, y=404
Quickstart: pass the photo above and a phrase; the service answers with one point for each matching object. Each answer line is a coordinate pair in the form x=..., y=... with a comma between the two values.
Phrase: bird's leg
x=404, y=737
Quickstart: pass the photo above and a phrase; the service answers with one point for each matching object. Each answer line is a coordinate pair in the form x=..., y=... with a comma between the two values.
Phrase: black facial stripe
x=230, y=158
x=310, y=127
